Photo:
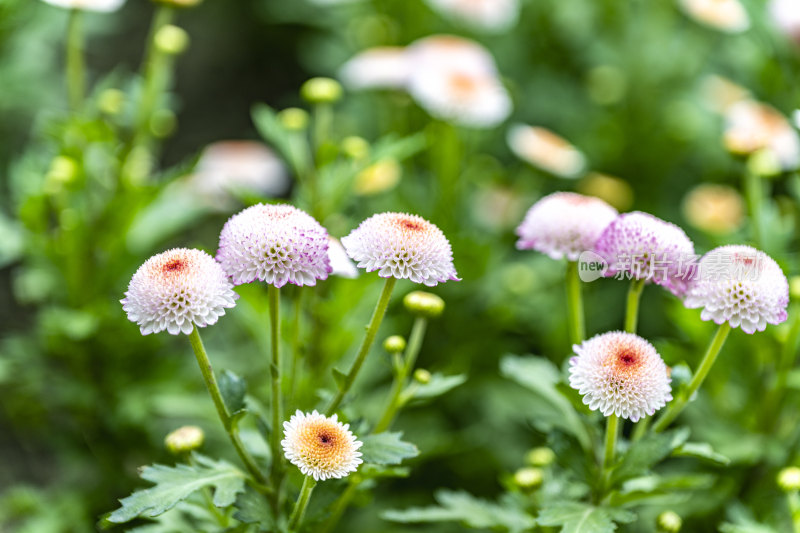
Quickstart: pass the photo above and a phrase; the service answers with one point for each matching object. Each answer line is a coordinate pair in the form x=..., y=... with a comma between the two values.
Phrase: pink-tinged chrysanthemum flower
x=277, y=244
x=564, y=224
x=640, y=246
x=402, y=246
x=752, y=126
x=621, y=374
x=439, y=53
x=341, y=265
x=489, y=15
x=785, y=14
x=177, y=289
x=88, y=5
x=739, y=285
x=319, y=446
x=383, y=67
x=724, y=15
x=544, y=149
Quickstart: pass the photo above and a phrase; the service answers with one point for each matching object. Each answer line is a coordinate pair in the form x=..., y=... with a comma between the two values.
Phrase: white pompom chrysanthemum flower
x=400, y=245
x=176, y=290
x=739, y=285
x=319, y=446
x=620, y=374
x=88, y=5
x=564, y=224
x=641, y=246
x=725, y=15
x=544, y=149
x=489, y=15
x=277, y=244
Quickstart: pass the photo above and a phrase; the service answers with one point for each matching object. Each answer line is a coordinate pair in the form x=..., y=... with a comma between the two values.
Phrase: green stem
x=366, y=344
x=793, y=500
x=227, y=422
x=339, y=507
x=76, y=66
x=299, y=511
x=575, y=304
x=678, y=404
x=401, y=379
x=298, y=315
x=609, y=451
x=275, y=371
x=632, y=309
x=754, y=193
x=154, y=71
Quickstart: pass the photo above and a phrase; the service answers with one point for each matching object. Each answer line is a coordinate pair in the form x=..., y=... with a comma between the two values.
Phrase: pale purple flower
x=277, y=244
x=739, y=285
x=641, y=246
x=402, y=246
x=176, y=290
x=321, y=447
x=621, y=374
x=564, y=224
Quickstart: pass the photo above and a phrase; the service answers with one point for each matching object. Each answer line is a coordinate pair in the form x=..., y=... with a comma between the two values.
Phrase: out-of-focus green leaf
x=701, y=450
x=645, y=453
x=253, y=508
x=438, y=385
x=233, y=389
x=387, y=449
x=575, y=517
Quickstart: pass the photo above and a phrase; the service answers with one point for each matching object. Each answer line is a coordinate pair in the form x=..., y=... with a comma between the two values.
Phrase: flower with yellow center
x=321, y=447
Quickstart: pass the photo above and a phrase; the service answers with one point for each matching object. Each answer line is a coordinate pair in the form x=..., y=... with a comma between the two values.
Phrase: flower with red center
x=544, y=149
x=277, y=244
x=177, y=290
x=641, y=246
x=739, y=285
x=564, y=224
x=402, y=246
x=621, y=374
x=319, y=446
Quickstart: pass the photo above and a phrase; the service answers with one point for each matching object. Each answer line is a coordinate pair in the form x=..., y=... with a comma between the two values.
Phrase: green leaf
x=252, y=508
x=387, y=449
x=438, y=385
x=339, y=377
x=645, y=453
x=464, y=508
x=575, y=517
x=233, y=389
x=701, y=450
x=175, y=484
x=653, y=488
x=542, y=377
x=270, y=127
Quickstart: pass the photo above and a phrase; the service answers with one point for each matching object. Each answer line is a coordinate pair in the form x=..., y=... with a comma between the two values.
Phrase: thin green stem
x=394, y=402
x=76, y=65
x=609, y=450
x=575, y=304
x=296, y=355
x=793, y=500
x=755, y=198
x=273, y=294
x=154, y=71
x=632, y=308
x=296, y=519
x=216, y=395
x=366, y=344
x=678, y=404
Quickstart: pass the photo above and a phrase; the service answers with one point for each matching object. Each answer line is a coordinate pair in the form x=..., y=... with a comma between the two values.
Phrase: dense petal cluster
x=641, y=246
x=544, y=149
x=277, y=244
x=88, y=5
x=402, y=246
x=177, y=289
x=621, y=374
x=319, y=446
x=739, y=285
x=564, y=224
x=725, y=15
x=489, y=15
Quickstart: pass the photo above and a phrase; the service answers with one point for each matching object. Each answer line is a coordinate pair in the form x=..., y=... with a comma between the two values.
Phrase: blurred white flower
x=717, y=209
x=88, y=5
x=724, y=15
x=544, y=149
x=383, y=67
x=751, y=126
x=785, y=14
x=341, y=265
x=228, y=168
x=450, y=53
x=489, y=15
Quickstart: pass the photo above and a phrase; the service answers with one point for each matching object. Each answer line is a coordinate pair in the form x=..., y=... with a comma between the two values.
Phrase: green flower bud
x=171, y=39
x=394, y=344
x=764, y=163
x=294, y=119
x=355, y=147
x=184, y=440
x=669, y=522
x=321, y=91
x=423, y=304
x=422, y=376
x=63, y=169
x=111, y=101
x=789, y=479
x=541, y=456
x=528, y=478
x=163, y=122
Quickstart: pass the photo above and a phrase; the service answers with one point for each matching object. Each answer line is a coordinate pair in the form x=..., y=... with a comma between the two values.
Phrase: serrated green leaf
x=233, y=389
x=386, y=449
x=645, y=453
x=253, y=508
x=701, y=450
x=464, y=508
x=542, y=377
x=438, y=385
x=576, y=517
x=175, y=484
